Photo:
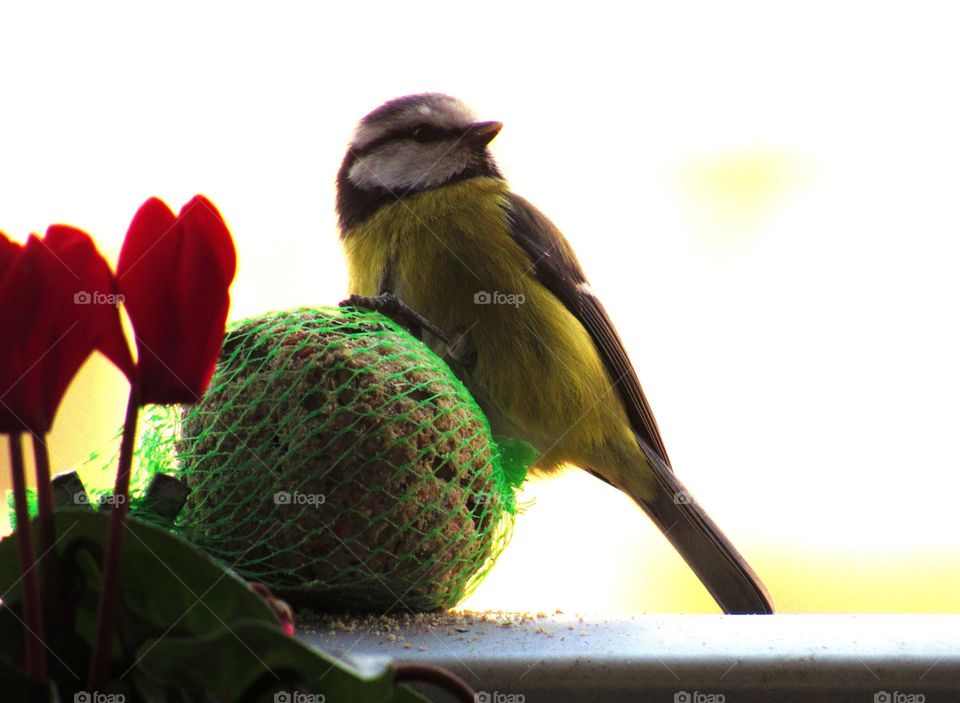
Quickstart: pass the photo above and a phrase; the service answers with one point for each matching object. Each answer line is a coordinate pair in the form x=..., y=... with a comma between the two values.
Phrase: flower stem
x=36, y=660
x=109, y=592
x=48, y=537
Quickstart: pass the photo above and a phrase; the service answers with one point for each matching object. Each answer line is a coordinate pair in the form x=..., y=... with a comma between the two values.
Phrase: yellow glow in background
x=766, y=199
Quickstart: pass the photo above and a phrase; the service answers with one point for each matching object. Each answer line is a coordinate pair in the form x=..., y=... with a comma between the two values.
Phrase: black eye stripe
x=426, y=134
x=430, y=133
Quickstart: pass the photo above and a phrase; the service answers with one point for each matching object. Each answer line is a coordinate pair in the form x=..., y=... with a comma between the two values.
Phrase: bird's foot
x=394, y=307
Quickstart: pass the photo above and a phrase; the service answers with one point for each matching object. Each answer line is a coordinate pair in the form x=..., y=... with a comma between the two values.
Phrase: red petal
x=174, y=273
x=8, y=252
x=77, y=250
x=202, y=215
x=54, y=313
x=20, y=306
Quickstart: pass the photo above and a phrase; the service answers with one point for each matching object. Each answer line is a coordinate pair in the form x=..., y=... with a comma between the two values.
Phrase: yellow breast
x=450, y=256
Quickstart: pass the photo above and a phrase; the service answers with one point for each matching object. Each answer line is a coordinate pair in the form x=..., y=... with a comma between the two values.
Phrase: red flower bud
x=174, y=273
x=281, y=609
x=58, y=303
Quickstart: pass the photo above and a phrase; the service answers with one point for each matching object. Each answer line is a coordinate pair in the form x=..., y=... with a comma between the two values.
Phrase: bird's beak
x=482, y=133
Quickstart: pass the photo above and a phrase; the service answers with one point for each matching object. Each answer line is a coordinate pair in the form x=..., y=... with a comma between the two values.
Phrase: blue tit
x=430, y=227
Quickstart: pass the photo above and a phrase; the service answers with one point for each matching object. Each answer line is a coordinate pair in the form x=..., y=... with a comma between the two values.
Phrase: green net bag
x=339, y=461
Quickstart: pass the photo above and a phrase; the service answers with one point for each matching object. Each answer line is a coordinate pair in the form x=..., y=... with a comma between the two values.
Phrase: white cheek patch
x=403, y=165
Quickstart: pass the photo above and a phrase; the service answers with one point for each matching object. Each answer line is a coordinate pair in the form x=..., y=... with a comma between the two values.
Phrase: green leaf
x=14, y=684
x=195, y=627
x=11, y=636
x=166, y=583
x=31, y=507
x=254, y=656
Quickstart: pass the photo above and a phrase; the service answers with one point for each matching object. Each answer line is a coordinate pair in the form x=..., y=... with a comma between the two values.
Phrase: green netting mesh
x=339, y=461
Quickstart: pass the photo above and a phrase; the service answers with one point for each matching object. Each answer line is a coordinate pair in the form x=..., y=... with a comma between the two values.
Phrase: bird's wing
x=721, y=568
x=555, y=265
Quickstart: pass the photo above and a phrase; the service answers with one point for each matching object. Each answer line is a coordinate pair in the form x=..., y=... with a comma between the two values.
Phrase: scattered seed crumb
x=464, y=626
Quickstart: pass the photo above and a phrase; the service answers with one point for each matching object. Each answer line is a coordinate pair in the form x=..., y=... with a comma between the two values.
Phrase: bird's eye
x=426, y=133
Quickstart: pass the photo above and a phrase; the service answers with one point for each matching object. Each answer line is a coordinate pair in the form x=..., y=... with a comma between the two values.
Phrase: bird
x=433, y=233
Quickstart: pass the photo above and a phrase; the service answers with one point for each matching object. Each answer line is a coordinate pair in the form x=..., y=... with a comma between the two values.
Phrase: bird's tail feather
x=712, y=557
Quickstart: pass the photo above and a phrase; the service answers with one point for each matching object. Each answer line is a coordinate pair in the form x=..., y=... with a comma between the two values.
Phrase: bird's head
x=408, y=145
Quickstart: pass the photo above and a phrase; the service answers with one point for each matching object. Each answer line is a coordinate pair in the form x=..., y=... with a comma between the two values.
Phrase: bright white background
x=765, y=196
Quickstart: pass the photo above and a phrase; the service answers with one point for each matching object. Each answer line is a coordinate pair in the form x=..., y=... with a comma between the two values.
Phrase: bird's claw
x=385, y=302
x=393, y=307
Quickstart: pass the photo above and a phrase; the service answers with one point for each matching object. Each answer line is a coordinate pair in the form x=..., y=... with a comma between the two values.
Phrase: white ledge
x=809, y=658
